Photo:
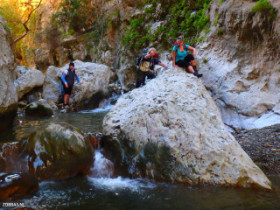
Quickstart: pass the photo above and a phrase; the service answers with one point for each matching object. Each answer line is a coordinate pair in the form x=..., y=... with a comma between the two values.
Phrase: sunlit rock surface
x=96, y=79
x=172, y=130
x=8, y=93
x=27, y=80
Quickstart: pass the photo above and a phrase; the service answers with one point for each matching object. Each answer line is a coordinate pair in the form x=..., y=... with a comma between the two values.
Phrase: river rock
x=58, y=151
x=96, y=80
x=16, y=185
x=171, y=129
x=241, y=63
x=8, y=93
x=27, y=80
x=39, y=108
x=10, y=157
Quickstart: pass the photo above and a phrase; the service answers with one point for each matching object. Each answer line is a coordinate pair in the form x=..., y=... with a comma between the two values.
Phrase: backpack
x=138, y=60
x=177, y=46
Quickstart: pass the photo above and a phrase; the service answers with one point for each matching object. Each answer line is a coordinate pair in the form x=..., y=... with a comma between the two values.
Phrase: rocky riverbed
x=263, y=146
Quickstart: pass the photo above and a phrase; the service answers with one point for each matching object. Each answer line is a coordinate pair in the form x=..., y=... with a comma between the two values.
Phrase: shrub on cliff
x=266, y=8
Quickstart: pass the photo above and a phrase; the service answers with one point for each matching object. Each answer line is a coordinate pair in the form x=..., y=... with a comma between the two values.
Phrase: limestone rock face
x=241, y=63
x=171, y=129
x=8, y=94
x=96, y=79
x=27, y=80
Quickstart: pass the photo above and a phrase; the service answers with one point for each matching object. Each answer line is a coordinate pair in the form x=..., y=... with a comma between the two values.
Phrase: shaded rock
x=16, y=185
x=95, y=87
x=39, y=108
x=41, y=59
x=8, y=93
x=11, y=159
x=57, y=151
x=171, y=129
x=27, y=80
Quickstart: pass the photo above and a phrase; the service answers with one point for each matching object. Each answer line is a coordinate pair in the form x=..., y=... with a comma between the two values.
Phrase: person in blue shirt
x=68, y=79
x=152, y=58
x=181, y=58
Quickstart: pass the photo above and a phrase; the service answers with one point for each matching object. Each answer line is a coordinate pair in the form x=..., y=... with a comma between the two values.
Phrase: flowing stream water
x=100, y=190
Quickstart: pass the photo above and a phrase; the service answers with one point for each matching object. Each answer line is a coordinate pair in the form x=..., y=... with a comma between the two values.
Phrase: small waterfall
x=105, y=105
x=102, y=166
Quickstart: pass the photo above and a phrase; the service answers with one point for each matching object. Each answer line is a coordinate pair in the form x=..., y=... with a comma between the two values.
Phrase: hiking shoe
x=199, y=75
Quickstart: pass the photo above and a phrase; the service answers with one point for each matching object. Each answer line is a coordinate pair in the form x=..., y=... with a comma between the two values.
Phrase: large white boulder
x=96, y=79
x=27, y=80
x=171, y=130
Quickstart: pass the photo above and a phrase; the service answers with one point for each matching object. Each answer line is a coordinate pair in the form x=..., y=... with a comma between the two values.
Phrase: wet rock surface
x=263, y=146
x=39, y=109
x=57, y=151
x=171, y=129
x=17, y=185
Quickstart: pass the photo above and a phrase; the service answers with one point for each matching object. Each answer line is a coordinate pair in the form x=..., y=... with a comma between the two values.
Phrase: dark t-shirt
x=154, y=61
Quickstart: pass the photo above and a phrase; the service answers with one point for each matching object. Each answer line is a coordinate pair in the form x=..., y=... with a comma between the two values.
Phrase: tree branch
x=25, y=23
x=28, y=18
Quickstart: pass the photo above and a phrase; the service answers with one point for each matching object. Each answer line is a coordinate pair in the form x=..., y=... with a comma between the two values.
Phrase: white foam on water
x=101, y=174
x=97, y=110
x=102, y=166
x=119, y=183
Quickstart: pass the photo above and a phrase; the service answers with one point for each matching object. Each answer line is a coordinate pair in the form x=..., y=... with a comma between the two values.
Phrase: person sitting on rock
x=147, y=67
x=68, y=79
x=181, y=58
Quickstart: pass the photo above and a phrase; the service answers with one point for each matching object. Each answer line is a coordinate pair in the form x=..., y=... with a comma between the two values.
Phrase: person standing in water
x=68, y=80
x=182, y=59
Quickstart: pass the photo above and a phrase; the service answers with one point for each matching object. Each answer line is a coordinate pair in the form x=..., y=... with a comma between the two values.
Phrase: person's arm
x=147, y=56
x=77, y=78
x=192, y=49
x=64, y=80
x=173, y=59
x=162, y=64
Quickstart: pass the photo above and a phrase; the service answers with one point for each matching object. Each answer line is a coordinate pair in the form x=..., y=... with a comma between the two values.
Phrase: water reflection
x=24, y=125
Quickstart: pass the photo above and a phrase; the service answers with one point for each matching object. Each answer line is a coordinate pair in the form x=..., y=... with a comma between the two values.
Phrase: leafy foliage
x=186, y=17
x=75, y=14
x=266, y=8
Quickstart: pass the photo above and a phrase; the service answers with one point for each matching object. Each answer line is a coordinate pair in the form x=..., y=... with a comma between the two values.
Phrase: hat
x=71, y=64
x=152, y=49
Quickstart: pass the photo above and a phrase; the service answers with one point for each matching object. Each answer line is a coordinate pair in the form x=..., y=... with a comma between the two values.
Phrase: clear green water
x=85, y=192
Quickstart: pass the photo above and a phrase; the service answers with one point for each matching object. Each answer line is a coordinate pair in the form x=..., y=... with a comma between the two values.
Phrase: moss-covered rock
x=57, y=151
